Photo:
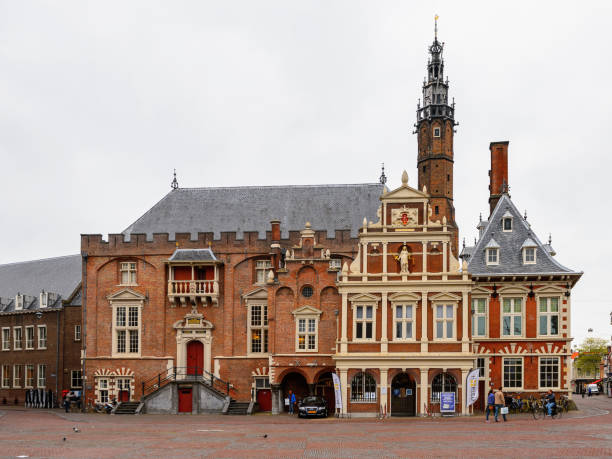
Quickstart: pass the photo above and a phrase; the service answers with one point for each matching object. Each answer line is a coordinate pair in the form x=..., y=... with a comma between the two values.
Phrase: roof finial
x=383, y=177
x=405, y=178
x=549, y=239
x=436, y=27
x=174, y=184
x=525, y=215
x=464, y=243
x=480, y=216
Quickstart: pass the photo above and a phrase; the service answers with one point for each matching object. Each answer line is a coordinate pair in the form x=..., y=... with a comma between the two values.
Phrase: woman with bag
x=500, y=405
x=490, y=403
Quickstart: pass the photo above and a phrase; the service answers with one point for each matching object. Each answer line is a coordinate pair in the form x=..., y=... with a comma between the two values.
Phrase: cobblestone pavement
x=38, y=433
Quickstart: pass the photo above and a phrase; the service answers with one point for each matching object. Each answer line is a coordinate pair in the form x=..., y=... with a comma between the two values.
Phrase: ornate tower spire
x=435, y=127
x=174, y=185
x=383, y=177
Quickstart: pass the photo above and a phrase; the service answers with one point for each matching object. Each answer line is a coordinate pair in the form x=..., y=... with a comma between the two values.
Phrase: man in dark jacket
x=550, y=401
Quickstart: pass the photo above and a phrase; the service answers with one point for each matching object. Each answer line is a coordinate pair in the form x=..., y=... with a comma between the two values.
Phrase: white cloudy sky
x=101, y=100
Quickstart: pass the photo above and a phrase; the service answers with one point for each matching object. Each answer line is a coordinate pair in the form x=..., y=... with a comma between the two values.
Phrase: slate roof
x=240, y=209
x=510, y=246
x=59, y=276
x=193, y=255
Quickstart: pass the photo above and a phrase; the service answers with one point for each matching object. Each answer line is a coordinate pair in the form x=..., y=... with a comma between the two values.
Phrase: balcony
x=193, y=275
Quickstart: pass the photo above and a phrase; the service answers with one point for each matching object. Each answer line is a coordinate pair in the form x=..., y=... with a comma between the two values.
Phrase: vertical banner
x=337, y=391
x=472, y=387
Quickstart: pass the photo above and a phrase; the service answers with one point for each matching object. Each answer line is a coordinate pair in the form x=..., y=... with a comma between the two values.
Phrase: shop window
x=443, y=382
x=363, y=388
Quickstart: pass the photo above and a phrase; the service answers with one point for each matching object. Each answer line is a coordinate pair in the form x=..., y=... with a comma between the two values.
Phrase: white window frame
x=307, y=333
x=512, y=314
x=100, y=389
x=41, y=376
x=18, y=302
x=444, y=320
x=6, y=382
x=44, y=299
x=27, y=367
x=264, y=328
x=128, y=329
x=476, y=315
x=525, y=260
x=6, y=339
x=29, y=343
x=504, y=224
x=79, y=377
x=548, y=314
x=20, y=341
x=17, y=375
x=262, y=267
x=403, y=320
x=438, y=130
x=42, y=344
x=131, y=268
x=364, y=320
x=488, y=252
x=540, y=372
x=77, y=332
x=503, y=374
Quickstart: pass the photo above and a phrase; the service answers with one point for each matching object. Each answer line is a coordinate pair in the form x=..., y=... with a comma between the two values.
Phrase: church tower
x=435, y=129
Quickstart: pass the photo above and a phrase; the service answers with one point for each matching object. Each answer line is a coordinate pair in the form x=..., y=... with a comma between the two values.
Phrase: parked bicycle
x=539, y=410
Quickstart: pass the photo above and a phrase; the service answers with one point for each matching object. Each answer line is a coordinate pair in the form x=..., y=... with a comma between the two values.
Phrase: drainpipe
x=84, y=331
x=57, y=354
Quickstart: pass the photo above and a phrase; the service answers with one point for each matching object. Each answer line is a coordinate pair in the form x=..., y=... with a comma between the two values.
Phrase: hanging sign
x=337, y=391
x=472, y=387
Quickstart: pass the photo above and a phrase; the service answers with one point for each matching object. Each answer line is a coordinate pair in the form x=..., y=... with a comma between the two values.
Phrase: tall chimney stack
x=498, y=175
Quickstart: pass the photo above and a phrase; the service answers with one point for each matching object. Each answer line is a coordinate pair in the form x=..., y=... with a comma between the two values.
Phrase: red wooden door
x=330, y=399
x=185, y=400
x=124, y=395
x=264, y=398
x=195, y=358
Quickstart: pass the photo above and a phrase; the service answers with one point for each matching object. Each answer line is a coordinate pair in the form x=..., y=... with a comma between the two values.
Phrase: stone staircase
x=127, y=408
x=238, y=408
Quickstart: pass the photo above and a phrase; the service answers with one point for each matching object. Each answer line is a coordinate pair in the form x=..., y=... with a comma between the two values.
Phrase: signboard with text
x=447, y=402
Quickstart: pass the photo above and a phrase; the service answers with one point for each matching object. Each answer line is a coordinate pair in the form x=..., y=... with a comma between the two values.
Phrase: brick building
x=40, y=322
x=253, y=291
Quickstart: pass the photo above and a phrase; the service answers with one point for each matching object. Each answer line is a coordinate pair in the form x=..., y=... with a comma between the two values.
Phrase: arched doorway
x=295, y=382
x=403, y=395
x=324, y=387
x=195, y=358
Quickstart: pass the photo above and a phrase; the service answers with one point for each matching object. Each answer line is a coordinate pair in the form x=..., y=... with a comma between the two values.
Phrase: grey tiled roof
x=240, y=209
x=510, y=246
x=59, y=276
x=193, y=255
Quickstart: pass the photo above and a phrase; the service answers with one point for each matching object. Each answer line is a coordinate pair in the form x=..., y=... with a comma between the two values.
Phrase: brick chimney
x=498, y=175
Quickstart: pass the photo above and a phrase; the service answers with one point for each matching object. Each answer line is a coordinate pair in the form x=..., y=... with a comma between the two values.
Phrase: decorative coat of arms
x=405, y=216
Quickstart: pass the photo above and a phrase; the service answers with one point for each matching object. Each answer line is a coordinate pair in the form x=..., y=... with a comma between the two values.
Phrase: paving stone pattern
x=38, y=433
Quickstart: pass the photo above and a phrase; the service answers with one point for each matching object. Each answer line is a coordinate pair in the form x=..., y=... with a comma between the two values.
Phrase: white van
x=593, y=387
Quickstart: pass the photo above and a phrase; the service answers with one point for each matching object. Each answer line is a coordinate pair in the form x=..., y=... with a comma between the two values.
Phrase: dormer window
x=44, y=299
x=507, y=223
x=529, y=252
x=18, y=302
x=493, y=256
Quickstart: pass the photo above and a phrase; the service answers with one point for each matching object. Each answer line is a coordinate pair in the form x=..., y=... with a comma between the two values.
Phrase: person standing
x=500, y=402
x=589, y=389
x=490, y=403
x=291, y=401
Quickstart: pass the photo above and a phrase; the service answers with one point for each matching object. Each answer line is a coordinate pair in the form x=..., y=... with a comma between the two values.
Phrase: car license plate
x=312, y=411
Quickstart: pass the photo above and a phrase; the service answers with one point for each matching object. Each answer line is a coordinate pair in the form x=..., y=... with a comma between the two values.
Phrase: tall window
x=261, y=269
x=529, y=255
x=445, y=324
x=29, y=376
x=307, y=334
x=103, y=390
x=6, y=376
x=6, y=339
x=493, y=256
x=479, y=317
x=42, y=337
x=258, y=328
x=507, y=223
x=512, y=317
x=480, y=364
x=363, y=388
x=42, y=375
x=29, y=337
x=17, y=338
x=549, y=372
x=549, y=316
x=364, y=322
x=44, y=299
x=17, y=375
x=513, y=372
x=127, y=334
x=76, y=379
x=77, y=333
x=443, y=382
x=403, y=319
x=128, y=273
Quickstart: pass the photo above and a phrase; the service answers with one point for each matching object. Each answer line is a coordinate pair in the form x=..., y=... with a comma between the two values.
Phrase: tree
x=591, y=352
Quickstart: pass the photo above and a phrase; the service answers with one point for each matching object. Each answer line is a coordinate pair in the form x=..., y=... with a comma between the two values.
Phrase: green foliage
x=591, y=352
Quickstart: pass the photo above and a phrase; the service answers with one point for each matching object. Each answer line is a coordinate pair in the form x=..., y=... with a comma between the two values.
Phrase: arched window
x=443, y=382
x=363, y=388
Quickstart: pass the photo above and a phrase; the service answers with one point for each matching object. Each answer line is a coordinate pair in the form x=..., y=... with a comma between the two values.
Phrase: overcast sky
x=101, y=100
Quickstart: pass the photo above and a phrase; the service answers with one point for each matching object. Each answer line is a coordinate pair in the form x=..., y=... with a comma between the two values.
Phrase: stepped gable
x=244, y=209
x=510, y=245
x=59, y=276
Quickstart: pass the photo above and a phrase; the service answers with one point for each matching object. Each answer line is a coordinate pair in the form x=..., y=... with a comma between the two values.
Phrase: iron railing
x=186, y=374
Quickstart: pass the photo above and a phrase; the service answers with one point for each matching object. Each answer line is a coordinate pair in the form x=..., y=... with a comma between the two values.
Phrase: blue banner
x=447, y=402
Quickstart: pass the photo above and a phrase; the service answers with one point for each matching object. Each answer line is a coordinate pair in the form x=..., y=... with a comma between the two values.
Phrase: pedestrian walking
x=589, y=389
x=500, y=403
x=291, y=401
x=490, y=403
